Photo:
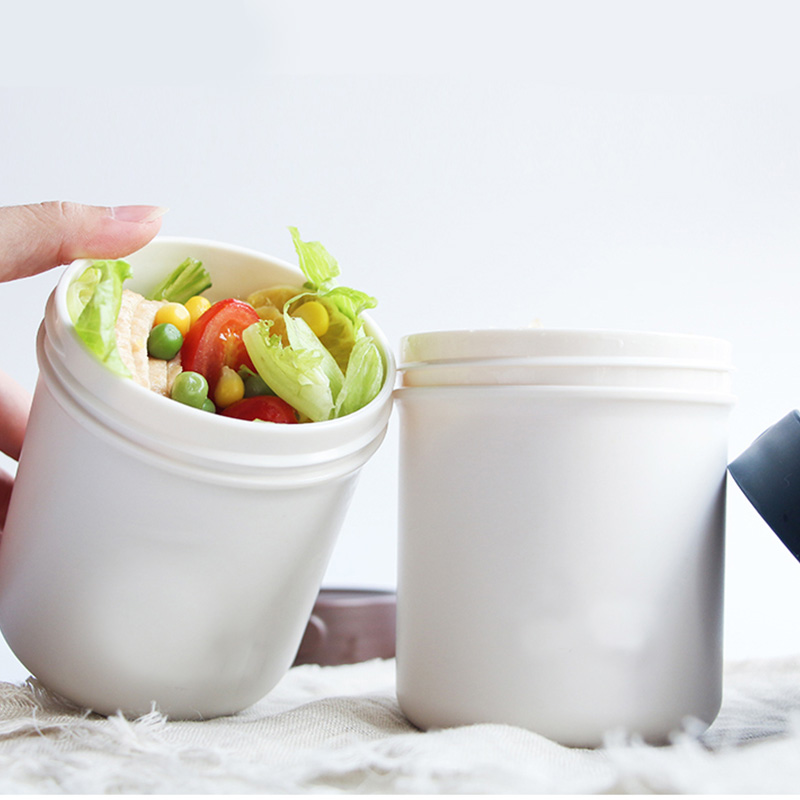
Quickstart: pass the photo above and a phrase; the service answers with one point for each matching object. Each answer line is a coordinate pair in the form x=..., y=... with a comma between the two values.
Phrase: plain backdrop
x=587, y=164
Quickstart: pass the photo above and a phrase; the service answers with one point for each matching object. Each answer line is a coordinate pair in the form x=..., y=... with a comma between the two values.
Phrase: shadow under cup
x=157, y=554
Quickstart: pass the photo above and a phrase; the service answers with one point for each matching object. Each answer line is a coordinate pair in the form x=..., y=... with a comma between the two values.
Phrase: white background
x=588, y=164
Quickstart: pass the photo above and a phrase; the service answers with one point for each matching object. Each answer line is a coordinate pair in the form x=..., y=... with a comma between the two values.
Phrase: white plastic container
x=155, y=553
x=561, y=530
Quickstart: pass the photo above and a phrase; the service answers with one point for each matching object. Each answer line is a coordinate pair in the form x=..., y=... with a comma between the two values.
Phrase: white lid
x=543, y=343
x=580, y=360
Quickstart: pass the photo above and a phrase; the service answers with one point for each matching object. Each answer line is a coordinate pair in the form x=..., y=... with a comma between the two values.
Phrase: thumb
x=36, y=237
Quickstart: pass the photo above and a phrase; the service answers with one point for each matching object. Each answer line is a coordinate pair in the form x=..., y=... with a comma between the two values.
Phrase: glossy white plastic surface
x=154, y=553
x=561, y=546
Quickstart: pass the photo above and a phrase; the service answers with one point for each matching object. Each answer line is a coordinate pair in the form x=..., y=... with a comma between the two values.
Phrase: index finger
x=37, y=237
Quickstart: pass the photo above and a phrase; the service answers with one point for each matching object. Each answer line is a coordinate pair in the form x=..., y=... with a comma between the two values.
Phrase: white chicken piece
x=134, y=322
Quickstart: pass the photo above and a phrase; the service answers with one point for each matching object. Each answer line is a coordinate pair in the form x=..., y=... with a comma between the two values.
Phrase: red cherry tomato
x=264, y=407
x=215, y=340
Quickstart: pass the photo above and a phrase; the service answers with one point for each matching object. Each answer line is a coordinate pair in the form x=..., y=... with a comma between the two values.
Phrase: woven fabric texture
x=340, y=730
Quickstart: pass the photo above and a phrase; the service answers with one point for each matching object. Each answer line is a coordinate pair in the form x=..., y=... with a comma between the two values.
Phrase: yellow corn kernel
x=175, y=313
x=229, y=389
x=197, y=306
x=316, y=316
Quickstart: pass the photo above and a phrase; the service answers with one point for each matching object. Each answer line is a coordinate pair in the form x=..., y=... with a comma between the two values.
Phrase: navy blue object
x=768, y=473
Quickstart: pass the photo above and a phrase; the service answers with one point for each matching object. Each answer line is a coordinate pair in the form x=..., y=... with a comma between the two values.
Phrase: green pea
x=209, y=406
x=190, y=388
x=254, y=385
x=164, y=341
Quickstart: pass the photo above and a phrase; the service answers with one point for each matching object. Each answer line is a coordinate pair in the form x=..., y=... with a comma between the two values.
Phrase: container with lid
x=561, y=530
x=154, y=553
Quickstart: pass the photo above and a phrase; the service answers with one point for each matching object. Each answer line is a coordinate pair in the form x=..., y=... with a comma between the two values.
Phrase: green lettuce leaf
x=80, y=291
x=187, y=280
x=303, y=339
x=344, y=305
x=93, y=302
x=321, y=271
x=350, y=303
x=343, y=365
x=363, y=379
x=318, y=265
x=297, y=376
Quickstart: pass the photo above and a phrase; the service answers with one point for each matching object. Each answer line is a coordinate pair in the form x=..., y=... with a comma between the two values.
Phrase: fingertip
x=137, y=214
x=40, y=236
x=114, y=237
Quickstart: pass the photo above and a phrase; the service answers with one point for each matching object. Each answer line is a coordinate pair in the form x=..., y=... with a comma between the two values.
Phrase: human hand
x=34, y=238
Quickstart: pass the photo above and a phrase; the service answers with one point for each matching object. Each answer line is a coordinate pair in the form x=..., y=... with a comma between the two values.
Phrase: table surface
x=339, y=730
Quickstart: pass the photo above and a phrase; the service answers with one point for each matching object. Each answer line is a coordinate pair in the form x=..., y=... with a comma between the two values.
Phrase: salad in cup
x=283, y=354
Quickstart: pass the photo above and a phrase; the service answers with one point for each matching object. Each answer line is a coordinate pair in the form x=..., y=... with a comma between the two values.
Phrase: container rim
x=448, y=346
x=507, y=392
x=174, y=428
x=623, y=362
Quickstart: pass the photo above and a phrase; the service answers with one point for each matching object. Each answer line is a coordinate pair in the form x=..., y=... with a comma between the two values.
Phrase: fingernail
x=137, y=213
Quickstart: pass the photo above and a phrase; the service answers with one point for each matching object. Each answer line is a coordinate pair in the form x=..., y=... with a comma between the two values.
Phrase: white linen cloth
x=339, y=730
